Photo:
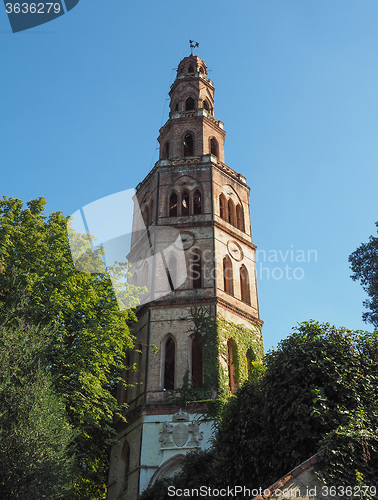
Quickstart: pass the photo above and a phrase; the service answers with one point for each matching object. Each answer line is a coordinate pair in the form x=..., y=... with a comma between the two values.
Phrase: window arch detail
x=244, y=285
x=227, y=276
x=188, y=145
x=169, y=364
x=231, y=212
x=185, y=203
x=223, y=207
x=166, y=151
x=190, y=104
x=214, y=146
x=239, y=217
x=197, y=208
x=173, y=205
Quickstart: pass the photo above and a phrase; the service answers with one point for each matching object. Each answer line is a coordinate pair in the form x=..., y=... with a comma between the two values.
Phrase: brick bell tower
x=199, y=330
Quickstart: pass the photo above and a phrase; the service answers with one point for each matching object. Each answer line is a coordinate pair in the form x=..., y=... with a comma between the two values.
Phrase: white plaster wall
x=153, y=456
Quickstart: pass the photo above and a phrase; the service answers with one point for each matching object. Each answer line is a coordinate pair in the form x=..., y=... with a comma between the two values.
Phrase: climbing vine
x=214, y=333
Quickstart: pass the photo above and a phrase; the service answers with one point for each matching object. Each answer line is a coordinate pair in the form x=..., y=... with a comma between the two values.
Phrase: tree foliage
x=319, y=391
x=364, y=264
x=35, y=434
x=40, y=285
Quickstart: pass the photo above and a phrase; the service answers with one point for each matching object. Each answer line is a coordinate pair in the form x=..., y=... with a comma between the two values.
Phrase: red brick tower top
x=192, y=130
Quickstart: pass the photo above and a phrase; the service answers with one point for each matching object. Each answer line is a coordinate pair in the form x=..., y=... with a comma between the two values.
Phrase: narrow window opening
x=227, y=276
x=196, y=270
x=222, y=207
x=239, y=218
x=189, y=104
x=173, y=205
x=169, y=365
x=188, y=145
x=206, y=105
x=244, y=285
x=213, y=147
x=166, y=151
x=197, y=370
x=190, y=69
x=197, y=203
x=185, y=204
x=231, y=212
x=176, y=107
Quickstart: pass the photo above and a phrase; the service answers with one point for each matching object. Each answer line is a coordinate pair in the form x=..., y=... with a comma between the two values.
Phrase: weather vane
x=193, y=45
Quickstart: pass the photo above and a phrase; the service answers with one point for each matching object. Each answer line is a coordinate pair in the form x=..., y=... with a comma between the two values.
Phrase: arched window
x=227, y=275
x=189, y=104
x=206, y=105
x=169, y=364
x=166, y=151
x=197, y=362
x=244, y=285
x=239, y=218
x=196, y=270
x=185, y=207
x=172, y=272
x=196, y=202
x=222, y=207
x=213, y=147
x=232, y=377
x=202, y=70
x=190, y=69
x=188, y=145
x=231, y=212
x=173, y=205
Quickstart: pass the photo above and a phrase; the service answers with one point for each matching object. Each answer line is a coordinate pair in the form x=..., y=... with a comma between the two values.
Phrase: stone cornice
x=205, y=161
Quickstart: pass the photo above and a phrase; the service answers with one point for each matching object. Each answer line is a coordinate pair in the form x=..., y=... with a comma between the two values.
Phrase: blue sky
x=83, y=98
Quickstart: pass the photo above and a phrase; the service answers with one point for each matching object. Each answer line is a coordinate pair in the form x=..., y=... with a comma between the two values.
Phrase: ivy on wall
x=214, y=332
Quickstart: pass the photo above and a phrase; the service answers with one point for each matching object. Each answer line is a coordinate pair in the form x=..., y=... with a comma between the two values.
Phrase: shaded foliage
x=35, y=434
x=364, y=264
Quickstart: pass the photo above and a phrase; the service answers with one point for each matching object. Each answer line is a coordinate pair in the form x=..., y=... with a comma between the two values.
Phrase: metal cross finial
x=193, y=45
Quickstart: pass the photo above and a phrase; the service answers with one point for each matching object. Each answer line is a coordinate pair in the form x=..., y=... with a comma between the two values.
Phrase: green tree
x=35, y=434
x=39, y=283
x=364, y=264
